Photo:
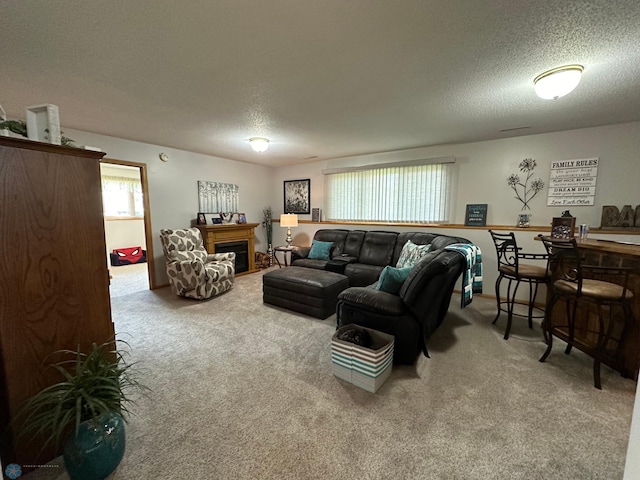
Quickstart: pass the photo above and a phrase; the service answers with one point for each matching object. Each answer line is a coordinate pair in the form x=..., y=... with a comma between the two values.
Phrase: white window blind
x=122, y=196
x=397, y=194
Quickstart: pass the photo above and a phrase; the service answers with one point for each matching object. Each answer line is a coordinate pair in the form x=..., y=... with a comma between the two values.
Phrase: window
x=408, y=192
x=122, y=197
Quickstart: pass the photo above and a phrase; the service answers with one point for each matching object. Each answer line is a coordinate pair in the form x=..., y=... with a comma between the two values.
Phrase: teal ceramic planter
x=96, y=450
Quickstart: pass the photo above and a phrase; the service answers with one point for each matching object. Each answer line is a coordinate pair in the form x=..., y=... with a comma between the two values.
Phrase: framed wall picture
x=242, y=218
x=297, y=196
x=201, y=219
x=476, y=215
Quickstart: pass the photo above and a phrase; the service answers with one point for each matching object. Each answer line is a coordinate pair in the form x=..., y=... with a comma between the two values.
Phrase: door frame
x=142, y=167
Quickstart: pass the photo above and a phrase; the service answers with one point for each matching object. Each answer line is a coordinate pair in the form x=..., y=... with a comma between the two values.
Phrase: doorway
x=130, y=224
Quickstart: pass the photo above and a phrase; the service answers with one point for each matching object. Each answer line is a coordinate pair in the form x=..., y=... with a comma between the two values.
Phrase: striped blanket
x=472, y=276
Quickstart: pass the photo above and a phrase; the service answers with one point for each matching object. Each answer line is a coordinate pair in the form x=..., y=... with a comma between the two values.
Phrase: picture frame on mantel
x=297, y=196
x=476, y=215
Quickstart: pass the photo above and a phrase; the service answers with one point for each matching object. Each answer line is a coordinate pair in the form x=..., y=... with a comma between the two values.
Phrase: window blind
x=395, y=194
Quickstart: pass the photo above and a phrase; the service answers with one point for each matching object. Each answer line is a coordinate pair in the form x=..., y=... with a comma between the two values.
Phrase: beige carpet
x=243, y=390
x=128, y=279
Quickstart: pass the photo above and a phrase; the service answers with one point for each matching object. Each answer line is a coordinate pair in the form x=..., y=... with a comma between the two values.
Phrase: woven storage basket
x=367, y=368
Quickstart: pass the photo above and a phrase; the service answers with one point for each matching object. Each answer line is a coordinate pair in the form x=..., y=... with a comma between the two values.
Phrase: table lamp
x=289, y=220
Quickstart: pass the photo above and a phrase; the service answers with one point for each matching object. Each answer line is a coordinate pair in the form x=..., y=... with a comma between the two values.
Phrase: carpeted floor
x=128, y=279
x=242, y=390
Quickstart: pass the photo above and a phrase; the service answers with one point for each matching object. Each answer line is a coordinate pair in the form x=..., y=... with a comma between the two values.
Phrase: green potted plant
x=19, y=127
x=87, y=409
x=267, y=223
x=15, y=126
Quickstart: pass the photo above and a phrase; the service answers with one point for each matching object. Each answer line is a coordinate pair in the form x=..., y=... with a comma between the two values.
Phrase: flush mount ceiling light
x=259, y=144
x=557, y=82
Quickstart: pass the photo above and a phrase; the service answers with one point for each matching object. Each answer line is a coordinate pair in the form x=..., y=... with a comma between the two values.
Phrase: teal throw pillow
x=411, y=254
x=392, y=278
x=320, y=250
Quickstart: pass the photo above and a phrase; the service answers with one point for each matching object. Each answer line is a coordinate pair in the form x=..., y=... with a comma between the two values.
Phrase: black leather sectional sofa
x=420, y=306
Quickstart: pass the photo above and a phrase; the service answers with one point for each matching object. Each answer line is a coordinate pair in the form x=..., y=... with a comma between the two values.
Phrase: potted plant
x=87, y=408
x=15, y=126
x=267, y=223
x=20, y=128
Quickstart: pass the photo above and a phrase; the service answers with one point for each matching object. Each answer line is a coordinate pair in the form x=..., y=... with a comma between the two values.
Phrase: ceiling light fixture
x=557, y=82
x=259, y=144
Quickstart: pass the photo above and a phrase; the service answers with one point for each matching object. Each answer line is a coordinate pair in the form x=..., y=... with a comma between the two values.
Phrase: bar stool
x=509, y=267
x=577, y=283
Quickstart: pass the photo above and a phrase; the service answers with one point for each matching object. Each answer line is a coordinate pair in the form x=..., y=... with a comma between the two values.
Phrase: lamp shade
x=288, y=220
x=558, y=82
x=259, y=144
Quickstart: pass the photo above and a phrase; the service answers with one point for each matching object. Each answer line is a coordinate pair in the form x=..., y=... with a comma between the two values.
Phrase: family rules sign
x=572, y=182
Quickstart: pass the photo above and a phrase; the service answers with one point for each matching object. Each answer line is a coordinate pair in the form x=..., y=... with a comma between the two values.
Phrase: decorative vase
x=523, y=220
x=270, y=253
x=96, y=450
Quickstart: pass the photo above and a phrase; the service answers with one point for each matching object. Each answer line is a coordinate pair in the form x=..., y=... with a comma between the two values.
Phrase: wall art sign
x=615, y=218
x=297, y=196
x=216, y=197
x=573, y=182
x=476, y=215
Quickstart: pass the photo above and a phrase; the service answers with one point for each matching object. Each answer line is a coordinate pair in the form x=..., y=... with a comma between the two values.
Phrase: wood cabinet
x=54, y=281
x=609, y=254
x=235, y=232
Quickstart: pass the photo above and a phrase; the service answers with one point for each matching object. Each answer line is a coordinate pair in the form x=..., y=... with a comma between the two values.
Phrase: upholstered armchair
x=192, y=271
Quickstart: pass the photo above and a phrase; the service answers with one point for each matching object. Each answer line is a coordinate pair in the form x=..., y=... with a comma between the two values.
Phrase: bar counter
x=613, y=254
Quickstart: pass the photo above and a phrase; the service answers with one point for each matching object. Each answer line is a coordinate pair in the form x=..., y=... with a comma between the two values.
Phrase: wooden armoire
x=54, y=280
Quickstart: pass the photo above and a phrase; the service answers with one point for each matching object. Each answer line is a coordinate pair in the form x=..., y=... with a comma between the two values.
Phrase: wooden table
x=613, y=254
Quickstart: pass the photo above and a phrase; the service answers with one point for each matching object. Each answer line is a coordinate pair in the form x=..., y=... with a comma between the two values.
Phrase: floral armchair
x=192, y=271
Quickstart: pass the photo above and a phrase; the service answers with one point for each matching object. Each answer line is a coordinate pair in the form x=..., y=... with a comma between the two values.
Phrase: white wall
x=481, y=170
x=124, y=233
x=173, y=185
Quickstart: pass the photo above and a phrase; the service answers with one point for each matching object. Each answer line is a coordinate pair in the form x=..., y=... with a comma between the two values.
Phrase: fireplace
x=232, y=237
x=241, y=249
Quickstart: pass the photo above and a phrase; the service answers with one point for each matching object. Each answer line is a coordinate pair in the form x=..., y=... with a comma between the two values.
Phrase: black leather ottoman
x=305, y=290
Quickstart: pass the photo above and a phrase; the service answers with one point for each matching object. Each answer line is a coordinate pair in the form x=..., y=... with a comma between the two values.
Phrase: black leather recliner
x=360, y=255
x=415, y=312
x=421, y=304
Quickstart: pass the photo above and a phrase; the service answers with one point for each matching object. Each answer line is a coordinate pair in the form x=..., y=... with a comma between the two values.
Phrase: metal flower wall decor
x=525, y=191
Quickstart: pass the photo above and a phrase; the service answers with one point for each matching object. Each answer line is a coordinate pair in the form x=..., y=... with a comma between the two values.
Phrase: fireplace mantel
x=231, y=232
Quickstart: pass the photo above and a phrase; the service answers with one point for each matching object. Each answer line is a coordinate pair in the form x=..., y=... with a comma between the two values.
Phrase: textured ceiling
x=321, y=79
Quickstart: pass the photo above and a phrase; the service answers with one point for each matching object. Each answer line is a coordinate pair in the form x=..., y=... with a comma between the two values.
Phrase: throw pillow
x=392, y=278
x=411, y=254
x=320, y=250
